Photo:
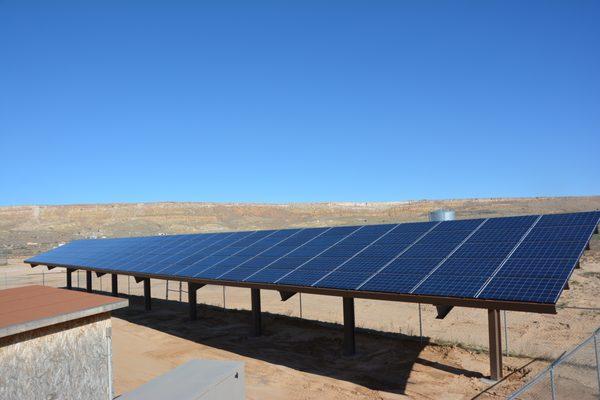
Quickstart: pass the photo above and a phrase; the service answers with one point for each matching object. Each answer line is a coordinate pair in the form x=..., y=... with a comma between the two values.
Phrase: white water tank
x=442, y=215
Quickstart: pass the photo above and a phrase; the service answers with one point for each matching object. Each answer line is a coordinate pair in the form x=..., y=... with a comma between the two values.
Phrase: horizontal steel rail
x=541, y=308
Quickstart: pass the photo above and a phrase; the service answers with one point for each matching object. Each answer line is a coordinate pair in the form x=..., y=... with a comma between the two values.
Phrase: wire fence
x=573, y=375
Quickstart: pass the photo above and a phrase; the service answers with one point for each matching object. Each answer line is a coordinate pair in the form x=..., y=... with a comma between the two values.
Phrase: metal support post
x=552, y=384
x=256, y=313
x=147, y=295
x=505, y=334
x=192, y=300
x=349, y=345
x=88, y=280
x=69, y=278
x=495, y=344
x=597, y=362
x=420, y=326
x=115, y=285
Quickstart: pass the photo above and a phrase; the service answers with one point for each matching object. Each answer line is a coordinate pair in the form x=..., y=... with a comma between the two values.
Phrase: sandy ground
x=299, y=356
x=296, y=359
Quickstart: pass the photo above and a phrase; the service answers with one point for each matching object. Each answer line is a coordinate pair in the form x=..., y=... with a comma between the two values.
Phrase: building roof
x=32, y=307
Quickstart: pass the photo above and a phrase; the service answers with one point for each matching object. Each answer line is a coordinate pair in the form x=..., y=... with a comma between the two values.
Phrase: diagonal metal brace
x=442, y=311
x=286, y=295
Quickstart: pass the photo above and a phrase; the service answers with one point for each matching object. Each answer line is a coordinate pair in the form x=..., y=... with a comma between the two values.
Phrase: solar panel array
x=526, y=258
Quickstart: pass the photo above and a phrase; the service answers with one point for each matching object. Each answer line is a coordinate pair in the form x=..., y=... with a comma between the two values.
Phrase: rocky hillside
x=25, y=230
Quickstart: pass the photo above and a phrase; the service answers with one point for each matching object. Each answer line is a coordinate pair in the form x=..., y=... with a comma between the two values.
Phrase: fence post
x=505, y=333
x=223, y=297
x=167, y=290
x=420, y=326
x=300, y=297
x=180, y=290
x=552, y=385
x=597, y=363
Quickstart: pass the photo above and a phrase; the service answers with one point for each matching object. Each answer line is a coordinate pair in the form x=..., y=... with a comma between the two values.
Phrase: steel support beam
x=256, y=313
x=69, y=278
x=115, y=285
x=147, y=295
x=192, y=300
x=495, y=344
x=88, y=281
x=349, y=345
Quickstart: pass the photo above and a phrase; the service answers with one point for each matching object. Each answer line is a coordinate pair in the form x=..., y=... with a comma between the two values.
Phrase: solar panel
x=525, y=258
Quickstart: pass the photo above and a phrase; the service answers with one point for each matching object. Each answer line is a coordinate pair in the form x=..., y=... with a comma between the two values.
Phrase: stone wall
x=71, y=360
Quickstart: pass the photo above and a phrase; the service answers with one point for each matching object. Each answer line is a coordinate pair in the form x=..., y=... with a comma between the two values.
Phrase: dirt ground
x=296, y=359
x=301, y=358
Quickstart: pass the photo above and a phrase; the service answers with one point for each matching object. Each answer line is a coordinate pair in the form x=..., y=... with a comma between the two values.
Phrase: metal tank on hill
x=442, y=215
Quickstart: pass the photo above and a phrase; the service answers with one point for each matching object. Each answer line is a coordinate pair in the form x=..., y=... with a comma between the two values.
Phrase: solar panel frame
x=139, y=256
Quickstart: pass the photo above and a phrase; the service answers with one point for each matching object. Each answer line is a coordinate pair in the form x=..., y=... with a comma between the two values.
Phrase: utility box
x=55, y=344
x=195, y=380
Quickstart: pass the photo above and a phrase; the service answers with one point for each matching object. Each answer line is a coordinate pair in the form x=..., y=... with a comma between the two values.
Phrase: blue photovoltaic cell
x=524, y=289
x=484, y=250
x=301, y=278
x=463, y=225
x=538, y=268
x=510, y=222
x=565, y=234
x=498, y=235
x=549, y=250
x=446, y=285
x=525, y=258
x=237, y=274
x=343, y=280
x=429, y=251
x=267, y=275
x=469, y=266
x=393, y=283
x=404, y=265
x=584, y=218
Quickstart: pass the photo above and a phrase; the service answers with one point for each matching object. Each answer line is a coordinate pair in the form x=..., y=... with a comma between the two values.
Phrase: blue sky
x=279, y=101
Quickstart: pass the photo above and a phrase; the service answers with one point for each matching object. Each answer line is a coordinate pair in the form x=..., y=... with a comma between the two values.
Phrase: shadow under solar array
x=522, y=259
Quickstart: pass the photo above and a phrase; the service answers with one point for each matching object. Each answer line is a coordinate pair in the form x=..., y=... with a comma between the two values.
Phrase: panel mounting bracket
x=286, y=295
x=442, y=311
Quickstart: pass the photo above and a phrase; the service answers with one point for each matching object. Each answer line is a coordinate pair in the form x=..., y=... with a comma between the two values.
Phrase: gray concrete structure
x=195, y=380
